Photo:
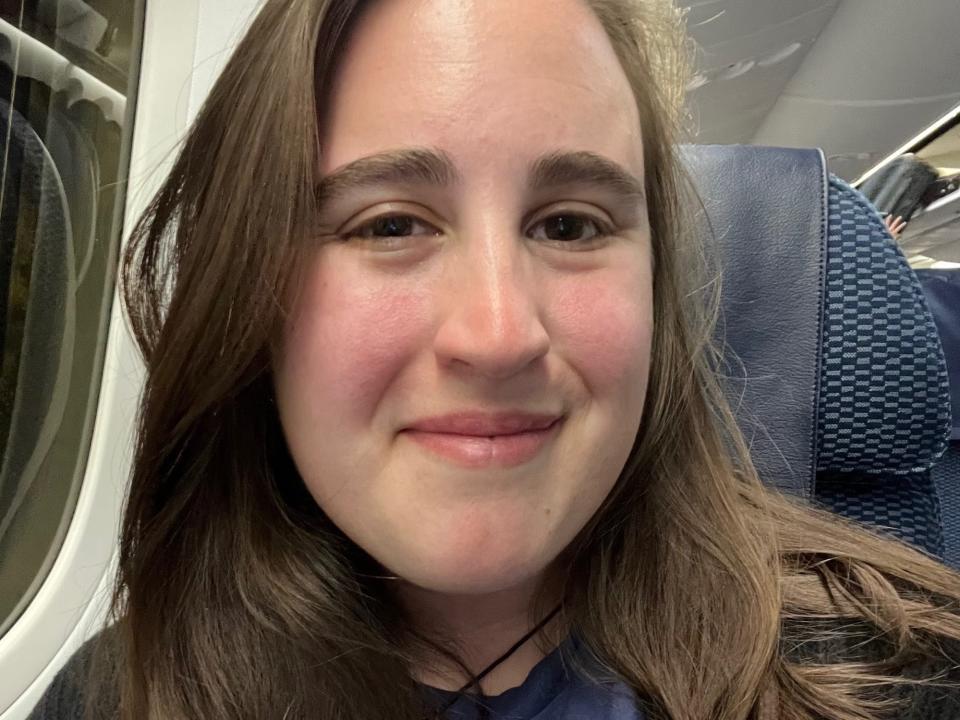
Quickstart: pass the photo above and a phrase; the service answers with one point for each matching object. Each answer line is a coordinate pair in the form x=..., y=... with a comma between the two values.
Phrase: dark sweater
x=551, y=692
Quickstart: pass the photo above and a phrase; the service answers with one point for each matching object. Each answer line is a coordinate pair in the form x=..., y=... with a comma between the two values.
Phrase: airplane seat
x=37, y=322
x=832, y=360
x=942, y=288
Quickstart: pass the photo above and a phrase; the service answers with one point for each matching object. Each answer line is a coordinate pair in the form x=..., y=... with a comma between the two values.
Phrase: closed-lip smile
x=477, y=439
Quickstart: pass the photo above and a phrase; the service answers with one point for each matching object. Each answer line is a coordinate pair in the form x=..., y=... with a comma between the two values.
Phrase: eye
x=568, y=228
x=391, y=226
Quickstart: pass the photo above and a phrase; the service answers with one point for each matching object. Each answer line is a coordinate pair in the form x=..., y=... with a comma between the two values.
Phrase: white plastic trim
x=41, y=62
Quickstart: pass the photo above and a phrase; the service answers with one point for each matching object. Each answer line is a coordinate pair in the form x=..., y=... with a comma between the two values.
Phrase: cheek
x=605, y=327
x=352, y=334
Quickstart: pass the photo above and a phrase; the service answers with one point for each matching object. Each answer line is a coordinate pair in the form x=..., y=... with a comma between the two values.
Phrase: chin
x=473, y=575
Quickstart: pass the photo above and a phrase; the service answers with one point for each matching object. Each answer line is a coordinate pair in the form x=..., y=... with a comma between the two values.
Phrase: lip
x=485, y=424
x=479, y=440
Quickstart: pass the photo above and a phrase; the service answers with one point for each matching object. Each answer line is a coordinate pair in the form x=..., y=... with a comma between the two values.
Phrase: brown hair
x=238, y=598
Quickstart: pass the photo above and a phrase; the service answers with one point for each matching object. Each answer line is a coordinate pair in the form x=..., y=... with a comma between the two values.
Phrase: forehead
x=484, y=80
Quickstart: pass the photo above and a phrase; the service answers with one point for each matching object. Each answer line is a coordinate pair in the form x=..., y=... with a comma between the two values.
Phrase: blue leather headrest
x=833, y=357
x=942, y=289
x=766, y=214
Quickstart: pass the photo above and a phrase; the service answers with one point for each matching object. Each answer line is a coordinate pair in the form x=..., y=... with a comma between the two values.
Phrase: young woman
x=427, y=384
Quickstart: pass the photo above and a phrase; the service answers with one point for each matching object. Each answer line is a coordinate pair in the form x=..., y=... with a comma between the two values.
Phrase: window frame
x=69, y=606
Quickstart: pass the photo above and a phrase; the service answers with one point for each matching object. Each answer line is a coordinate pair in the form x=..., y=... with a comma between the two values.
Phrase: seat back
x=942, y=288
x=37, y=299
x=837, y=374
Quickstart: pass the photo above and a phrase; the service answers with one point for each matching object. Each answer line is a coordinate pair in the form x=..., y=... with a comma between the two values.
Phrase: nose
x=491, y=315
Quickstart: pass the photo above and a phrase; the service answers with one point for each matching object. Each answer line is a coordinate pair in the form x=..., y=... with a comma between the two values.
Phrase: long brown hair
x=238, y=598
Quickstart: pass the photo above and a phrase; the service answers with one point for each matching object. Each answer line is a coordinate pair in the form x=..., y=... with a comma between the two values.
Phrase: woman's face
x=464, y=375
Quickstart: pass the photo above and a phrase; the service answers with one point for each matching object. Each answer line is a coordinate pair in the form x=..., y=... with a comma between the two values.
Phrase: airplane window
x=67, y=68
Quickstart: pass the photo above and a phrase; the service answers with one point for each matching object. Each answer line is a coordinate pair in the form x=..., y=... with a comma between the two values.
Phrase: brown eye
x=392, y=226
x=567, y=227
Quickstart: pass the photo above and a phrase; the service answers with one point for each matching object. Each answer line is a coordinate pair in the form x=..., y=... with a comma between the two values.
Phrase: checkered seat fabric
x=884, y=400
x=946, y=481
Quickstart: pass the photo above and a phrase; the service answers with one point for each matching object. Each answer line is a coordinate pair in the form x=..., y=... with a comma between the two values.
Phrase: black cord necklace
x=486, y=671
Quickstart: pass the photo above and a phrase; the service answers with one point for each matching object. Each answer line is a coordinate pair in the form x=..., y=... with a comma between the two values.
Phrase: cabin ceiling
x=855, y=77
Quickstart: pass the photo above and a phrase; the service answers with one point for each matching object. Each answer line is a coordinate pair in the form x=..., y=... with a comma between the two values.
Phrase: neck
x=484, y=627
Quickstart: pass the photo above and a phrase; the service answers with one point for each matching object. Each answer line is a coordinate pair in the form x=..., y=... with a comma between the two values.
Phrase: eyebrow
x=585, y=168
x=427, y=166
x=423, y=166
